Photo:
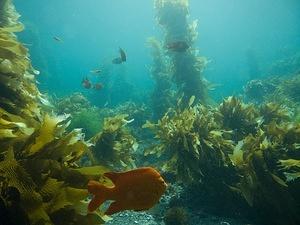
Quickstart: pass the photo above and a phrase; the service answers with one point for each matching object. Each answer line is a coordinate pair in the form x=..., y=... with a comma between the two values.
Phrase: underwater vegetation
x=236, y=157
x=255, y=157
x=138, y=113
x=162, y=96
x=188, y=139
x=39, y=171
x=10, y=206
x=72, y=103
x=262, y=182
x=8, y=15
x=114, y=146
x=83, y=114
x=42, y=166
x=186, y=66
x=238, y=117
x=89, y=120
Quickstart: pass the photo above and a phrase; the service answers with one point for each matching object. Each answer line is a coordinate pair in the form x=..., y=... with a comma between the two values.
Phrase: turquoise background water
x=92, y=31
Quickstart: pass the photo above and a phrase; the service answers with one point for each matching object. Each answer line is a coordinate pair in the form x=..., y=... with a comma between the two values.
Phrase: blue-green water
x=93, y=30
x=247, y=153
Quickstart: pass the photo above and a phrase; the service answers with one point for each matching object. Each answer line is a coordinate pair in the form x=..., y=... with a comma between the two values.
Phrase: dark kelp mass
x=38, y=156
x=237, y=159
x=255, y=156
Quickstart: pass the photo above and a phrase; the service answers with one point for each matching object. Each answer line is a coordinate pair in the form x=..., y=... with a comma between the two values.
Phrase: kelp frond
x=274, y=112
x=114, y=145
x=188, y=139
x=39, y=159
x=237, y=116
x=249, y=152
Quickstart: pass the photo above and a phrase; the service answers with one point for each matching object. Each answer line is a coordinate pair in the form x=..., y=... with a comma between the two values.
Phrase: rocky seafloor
x=144, y=218
x=155, y=216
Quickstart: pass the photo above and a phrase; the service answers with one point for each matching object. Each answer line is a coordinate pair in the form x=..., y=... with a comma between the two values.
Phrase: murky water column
x=186, y=66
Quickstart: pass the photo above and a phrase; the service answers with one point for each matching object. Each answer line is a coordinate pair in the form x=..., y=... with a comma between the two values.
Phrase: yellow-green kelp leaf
x=191, y=101
x=289, y=163
x=98, y=217
x=46, y=133
x=51, y=188
x=6, y=133
x=92, y=170
x=12, y=126
x=70, y=216
x=238, y=154
x=19, y=178
x=66, y=196
x=14, y=28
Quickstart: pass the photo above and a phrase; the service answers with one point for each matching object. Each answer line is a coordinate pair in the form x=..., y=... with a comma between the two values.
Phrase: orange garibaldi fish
x=138, y=189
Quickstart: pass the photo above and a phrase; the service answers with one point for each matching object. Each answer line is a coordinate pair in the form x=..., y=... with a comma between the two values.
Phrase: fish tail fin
x=100, y=193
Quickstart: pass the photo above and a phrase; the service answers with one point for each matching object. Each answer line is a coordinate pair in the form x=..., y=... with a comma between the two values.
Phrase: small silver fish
x=58, y=39
x=96, y=71
x=121, y=59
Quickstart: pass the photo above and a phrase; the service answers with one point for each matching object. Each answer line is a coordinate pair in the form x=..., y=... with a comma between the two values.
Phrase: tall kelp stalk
x=186, y=66
x=8, y=14
x=40, y=180
x=162, y=94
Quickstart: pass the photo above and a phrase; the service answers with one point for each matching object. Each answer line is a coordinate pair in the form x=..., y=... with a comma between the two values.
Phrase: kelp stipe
x=186, y=66
x=162, y=96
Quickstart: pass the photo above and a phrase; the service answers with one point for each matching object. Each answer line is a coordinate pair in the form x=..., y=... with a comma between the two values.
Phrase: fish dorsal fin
x=113, y=176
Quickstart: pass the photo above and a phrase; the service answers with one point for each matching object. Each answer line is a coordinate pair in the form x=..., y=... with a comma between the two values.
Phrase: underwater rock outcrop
x=289, y=64
x=71, y=104
x=282, y=90
x=257, y=90
x=176, y=216
x=186, y=66
x=290, y=88
x=277, y=88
